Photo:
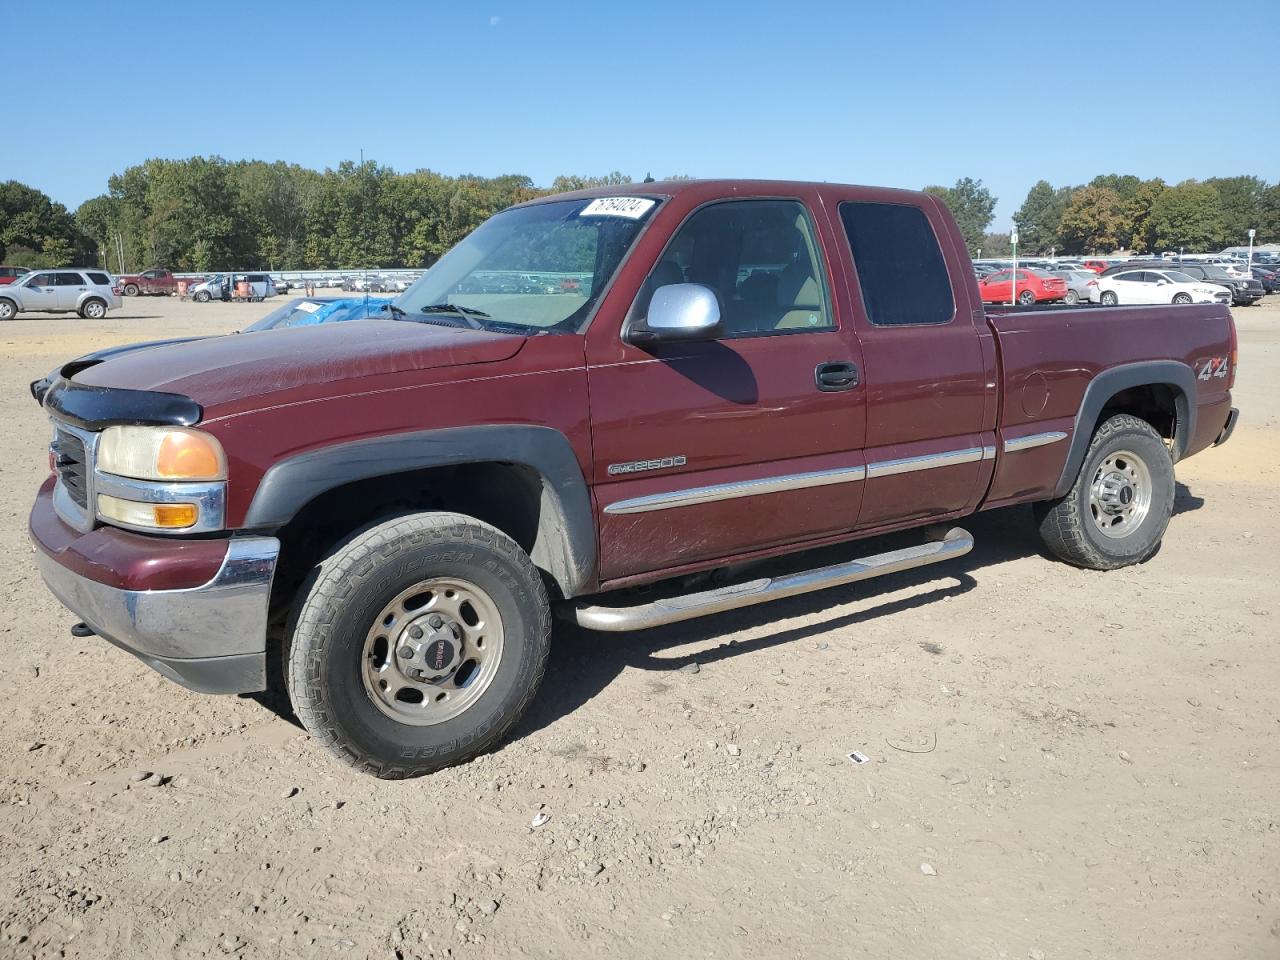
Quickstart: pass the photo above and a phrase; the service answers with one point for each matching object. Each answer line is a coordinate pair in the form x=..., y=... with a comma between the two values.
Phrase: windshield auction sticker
x=633, y=208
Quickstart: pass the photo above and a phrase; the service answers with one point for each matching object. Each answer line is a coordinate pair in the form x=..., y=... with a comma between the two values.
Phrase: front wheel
x=1119, y=506
x=1109, y=298
x=1182, y=298
x=202, y=296
x=8, y=309
x=131, y=290
x=1027, y=298
x=418, y=644
x=1072, y=298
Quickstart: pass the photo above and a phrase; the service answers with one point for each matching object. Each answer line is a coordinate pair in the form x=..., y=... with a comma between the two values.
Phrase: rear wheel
x=1027, y=298
x=1119, y=506
x=1182, y=298
x=1109, y=298
x=8, y=309
x=418, y=644
x=1072, y=298
x=93, y=310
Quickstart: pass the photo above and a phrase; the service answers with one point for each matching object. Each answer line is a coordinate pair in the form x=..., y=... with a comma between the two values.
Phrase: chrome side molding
x=798, y=481
x=1031, y=440
x=930, y=461
x=955, y=543
x=730, y=491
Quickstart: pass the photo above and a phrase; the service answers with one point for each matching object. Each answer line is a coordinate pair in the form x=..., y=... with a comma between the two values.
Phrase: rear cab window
x=901, y=271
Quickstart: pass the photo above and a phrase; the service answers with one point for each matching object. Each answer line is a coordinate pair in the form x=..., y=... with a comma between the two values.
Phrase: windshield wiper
x=395, y=311
x=470, y=314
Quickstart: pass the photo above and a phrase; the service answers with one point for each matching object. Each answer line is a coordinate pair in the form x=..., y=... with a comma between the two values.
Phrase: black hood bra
x=96, y=408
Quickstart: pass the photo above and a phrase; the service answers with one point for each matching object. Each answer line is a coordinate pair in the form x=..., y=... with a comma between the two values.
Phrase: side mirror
x=679, y=311
x=1162, y=283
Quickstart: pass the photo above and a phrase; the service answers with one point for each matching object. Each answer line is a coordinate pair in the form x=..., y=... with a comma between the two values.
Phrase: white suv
x=88, y=292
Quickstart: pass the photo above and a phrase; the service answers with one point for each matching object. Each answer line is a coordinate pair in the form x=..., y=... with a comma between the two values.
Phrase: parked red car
x=1097, y=266
x=10, y=274
x=1034, y=286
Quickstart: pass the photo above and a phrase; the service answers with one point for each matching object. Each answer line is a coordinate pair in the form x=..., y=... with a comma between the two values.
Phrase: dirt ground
x=1063, y=764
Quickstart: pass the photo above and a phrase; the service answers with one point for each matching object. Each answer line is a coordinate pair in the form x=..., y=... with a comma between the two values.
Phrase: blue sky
x=889, y=93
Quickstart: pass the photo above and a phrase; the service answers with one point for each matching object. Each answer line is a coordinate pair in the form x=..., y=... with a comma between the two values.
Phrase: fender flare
x=566, y=539
x=1169, y=373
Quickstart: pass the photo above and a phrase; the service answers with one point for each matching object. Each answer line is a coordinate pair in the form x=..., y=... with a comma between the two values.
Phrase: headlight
x=161, y=453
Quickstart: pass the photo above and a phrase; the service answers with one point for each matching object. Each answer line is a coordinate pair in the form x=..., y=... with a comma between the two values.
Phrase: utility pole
x=1013, y=276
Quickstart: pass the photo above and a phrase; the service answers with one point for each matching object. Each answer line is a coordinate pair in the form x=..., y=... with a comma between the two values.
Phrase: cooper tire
x=1109, y=298
x=131, y=290
x=1126, y=466
x=8, y=309
x=93, y=310
x=332, y=670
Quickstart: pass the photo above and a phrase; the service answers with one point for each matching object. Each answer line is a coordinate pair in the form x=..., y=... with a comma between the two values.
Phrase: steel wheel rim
x=454, y=655
x=1120, y=494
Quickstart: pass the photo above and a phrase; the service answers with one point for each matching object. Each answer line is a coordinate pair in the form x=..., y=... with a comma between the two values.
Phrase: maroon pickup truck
x=156, y=281
x=382, y=515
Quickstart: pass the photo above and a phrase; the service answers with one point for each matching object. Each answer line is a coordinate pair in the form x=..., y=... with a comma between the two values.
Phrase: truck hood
x=241, y=366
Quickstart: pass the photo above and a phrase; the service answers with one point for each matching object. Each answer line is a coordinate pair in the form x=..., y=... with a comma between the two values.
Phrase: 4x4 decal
x=1215, y=368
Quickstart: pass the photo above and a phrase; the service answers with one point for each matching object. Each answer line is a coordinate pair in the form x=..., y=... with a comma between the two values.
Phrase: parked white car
x=90, y=293
x=1155, y=286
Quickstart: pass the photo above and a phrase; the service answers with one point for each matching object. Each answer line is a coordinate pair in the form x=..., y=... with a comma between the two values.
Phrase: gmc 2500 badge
x=636, y=466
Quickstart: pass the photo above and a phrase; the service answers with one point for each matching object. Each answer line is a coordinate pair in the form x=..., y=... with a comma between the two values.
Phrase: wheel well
x=508, y=496
x=1156, y=403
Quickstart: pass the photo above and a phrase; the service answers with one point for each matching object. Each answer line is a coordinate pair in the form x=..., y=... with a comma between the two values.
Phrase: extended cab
x=382, y=515
x=155, y=281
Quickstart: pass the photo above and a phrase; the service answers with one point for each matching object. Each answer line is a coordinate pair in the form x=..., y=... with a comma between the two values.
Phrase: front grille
x=69, y=460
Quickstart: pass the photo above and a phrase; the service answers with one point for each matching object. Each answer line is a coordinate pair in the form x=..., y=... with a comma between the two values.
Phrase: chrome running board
x=956, y=543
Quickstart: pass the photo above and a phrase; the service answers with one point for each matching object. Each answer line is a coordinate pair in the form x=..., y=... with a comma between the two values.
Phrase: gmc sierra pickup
x=383, y=514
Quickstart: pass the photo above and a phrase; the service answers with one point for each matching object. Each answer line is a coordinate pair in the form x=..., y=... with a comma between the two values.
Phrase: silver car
x=88, y=292
x=1077, y=284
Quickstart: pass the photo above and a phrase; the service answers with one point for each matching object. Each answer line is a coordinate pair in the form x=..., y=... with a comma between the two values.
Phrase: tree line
x=206, y=213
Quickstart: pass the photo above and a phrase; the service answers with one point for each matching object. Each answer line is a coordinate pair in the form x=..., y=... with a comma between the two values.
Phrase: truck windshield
x=539, y=268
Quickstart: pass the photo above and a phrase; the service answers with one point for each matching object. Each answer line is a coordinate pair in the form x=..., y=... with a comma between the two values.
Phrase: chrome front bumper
x=211, y=638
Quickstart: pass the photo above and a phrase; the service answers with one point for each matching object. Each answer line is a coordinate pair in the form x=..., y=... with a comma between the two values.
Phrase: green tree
x=972, y=205
x=1138, y=214
x=1269, y=216
x=1094, y=221
x=35, y=231
x=566, y=182
x=1241, y=200
x=1122, y=185
x=1040, y=216
x=997, y=245
x=1186, y=216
